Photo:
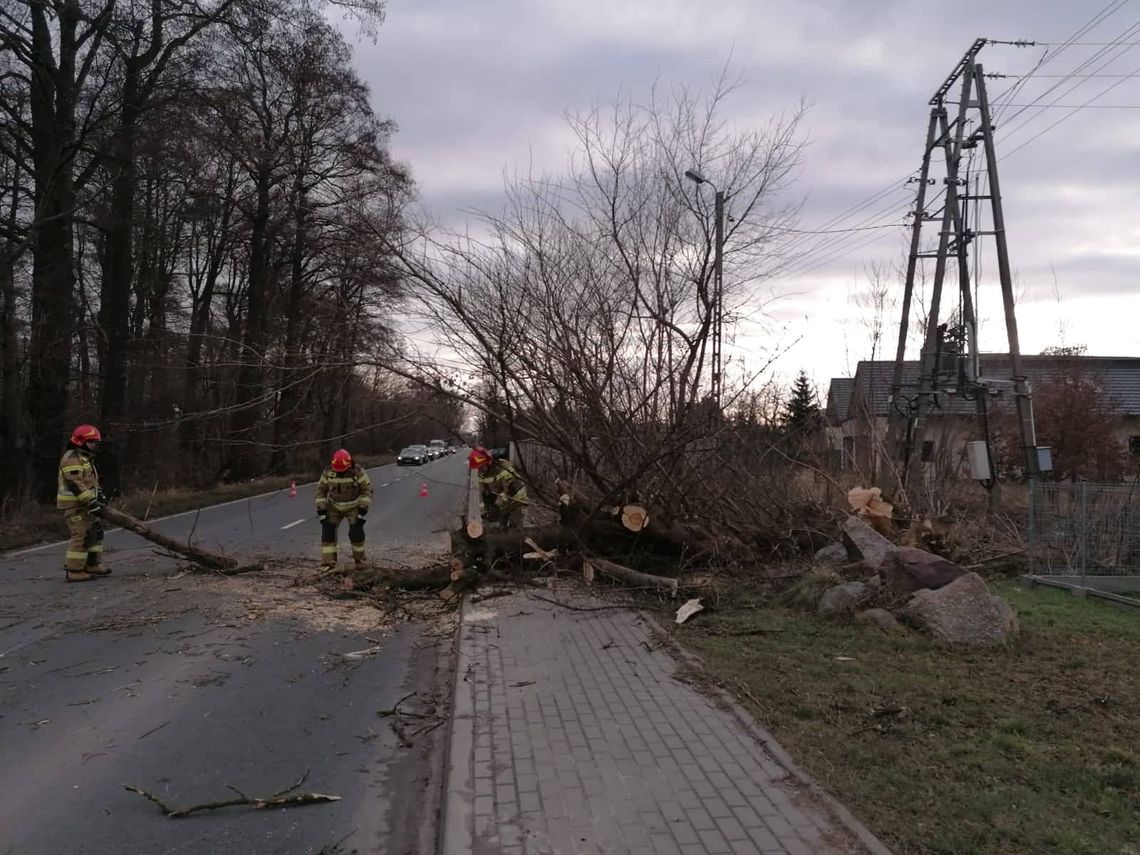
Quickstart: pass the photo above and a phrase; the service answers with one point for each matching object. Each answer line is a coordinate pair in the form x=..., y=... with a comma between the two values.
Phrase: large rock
x=963, y=612
x=882, y=619
x=907, y=569
x=868, y=544
x=845, y=599
x=833, y=553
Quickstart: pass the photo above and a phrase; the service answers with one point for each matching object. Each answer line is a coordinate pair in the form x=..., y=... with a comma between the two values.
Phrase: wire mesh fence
x=1085, y=529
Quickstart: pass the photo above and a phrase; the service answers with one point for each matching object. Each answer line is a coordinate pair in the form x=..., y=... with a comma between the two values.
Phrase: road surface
x=182, y=684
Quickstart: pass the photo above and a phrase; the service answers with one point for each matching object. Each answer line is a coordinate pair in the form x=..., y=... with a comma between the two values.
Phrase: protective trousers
x=85, y=546
x=329, y=537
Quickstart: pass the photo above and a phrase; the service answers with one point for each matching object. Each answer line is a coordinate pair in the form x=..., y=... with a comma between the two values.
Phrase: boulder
x=833, y=553
x=882, y=619
x=845, y=599
x=868, y=544
x=963, y=612
x=907, y=569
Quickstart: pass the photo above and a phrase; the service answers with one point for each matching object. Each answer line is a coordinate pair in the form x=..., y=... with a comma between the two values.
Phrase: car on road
x=413, y=455
x=439, y=447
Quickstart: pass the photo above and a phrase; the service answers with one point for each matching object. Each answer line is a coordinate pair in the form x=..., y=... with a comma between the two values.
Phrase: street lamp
x=718, y=285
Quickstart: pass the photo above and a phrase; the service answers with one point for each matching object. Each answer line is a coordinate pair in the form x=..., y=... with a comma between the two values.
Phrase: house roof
x=839, y=399
x=1119, y=376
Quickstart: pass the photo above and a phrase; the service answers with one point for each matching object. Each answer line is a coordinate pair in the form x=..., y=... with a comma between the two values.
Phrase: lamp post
x=718, y=285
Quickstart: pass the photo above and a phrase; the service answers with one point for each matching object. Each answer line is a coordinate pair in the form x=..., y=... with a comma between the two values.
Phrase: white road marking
x=59, y=543
x=386, y=483
x=290, y=525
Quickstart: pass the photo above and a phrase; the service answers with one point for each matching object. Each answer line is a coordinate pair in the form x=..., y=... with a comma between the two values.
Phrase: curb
x=847, y=819
x=457, y=829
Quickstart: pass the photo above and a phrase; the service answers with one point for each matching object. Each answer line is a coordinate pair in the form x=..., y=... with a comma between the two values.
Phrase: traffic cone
x=423, y=490
x=292, y=489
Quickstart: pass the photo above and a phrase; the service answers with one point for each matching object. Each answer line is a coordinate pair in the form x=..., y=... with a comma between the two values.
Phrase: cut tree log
x=634, y=577
x=474, y=507
x=463, y=579
x=212, y=560
x=634, y=517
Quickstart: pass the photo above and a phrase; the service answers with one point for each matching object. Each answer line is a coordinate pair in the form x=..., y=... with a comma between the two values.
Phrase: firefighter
x=80, y=498
x=504, y=491
x=344, y=492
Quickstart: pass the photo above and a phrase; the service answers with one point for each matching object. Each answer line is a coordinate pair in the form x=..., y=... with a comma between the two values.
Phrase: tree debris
x=284, y=798
x=211, y=560
x=689, y=609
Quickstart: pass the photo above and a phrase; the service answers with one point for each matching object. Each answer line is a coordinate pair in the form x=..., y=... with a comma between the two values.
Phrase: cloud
x=481, y=88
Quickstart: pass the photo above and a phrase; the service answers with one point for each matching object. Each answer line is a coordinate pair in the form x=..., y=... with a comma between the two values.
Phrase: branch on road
x=204, y=557
x=284, y=798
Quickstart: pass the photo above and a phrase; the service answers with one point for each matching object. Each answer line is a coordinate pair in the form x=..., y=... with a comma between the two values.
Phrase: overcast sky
x=478, y=87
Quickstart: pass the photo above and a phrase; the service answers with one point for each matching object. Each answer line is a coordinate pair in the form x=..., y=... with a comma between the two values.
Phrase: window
x=927, y=450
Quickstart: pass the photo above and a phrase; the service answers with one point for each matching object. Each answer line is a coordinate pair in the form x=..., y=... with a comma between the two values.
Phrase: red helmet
x=85, y=434
x=479, y=457
x=341, y=461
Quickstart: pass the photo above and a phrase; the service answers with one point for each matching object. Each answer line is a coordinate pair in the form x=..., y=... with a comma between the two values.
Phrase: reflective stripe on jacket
x=78, y=481
x=501, y=470
x=344, y=491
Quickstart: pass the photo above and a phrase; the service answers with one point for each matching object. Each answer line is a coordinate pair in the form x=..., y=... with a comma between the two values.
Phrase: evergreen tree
x=802, y=415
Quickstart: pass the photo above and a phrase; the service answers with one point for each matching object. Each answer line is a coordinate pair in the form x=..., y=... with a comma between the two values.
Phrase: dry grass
x=1027, y=750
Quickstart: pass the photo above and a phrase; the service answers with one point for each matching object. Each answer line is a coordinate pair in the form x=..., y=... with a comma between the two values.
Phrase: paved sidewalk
x=572, y=735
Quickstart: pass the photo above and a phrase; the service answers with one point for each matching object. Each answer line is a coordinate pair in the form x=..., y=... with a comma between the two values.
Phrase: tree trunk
x=11, y=385
x=52, y=100
x=118, y=250
x=251, y=374
x=284, y=424
x=211, y=560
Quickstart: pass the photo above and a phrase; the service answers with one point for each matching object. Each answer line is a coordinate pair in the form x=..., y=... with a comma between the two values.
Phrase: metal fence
x=1085, y=529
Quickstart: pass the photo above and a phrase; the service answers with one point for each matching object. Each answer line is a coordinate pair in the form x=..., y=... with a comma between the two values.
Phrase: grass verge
x=1034, y=749
x=35, y=524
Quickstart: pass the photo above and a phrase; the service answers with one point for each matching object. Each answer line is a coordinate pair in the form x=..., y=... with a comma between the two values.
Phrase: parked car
x=413, y=455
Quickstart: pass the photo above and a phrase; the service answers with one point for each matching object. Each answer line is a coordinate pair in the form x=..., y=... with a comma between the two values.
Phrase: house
x=858, y=407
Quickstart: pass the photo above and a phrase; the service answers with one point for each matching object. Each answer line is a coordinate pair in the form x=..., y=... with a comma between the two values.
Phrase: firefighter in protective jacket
x=80, y=498
x=344, y=492
x=504, y=491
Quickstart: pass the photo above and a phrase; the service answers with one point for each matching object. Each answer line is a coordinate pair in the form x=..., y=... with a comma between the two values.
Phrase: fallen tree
x=203, y=557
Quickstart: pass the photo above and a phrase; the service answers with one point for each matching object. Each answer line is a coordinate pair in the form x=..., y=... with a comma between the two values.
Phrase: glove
x=95, y=506
x=361, y=514
x=322, y=517
x=101, y=497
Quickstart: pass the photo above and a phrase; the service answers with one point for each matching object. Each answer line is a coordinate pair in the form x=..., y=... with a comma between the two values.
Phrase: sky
x=479, y=89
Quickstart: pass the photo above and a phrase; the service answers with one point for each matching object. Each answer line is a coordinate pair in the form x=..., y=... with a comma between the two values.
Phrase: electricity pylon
x=949, y=360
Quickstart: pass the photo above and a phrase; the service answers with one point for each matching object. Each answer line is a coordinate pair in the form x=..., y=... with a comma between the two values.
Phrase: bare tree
x=586, y=305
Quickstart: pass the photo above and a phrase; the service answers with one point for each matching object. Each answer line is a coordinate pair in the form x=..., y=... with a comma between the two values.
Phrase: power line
x=1065, y=117
x=829, y=242
x=1061, y=82
x=831, y=231
x=1047, y=57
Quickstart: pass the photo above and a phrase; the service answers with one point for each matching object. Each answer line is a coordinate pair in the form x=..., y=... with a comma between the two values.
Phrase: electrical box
x=1044, y=458
x=979, y=457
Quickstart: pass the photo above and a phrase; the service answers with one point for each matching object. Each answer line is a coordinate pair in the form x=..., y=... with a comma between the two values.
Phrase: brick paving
x=572, y=735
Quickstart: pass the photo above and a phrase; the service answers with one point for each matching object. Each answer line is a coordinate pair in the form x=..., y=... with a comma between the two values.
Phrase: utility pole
x=943, y=344
x=718, y=305
x=716, y=299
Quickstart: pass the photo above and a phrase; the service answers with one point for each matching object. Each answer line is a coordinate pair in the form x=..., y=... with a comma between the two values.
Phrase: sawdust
x=289, y=589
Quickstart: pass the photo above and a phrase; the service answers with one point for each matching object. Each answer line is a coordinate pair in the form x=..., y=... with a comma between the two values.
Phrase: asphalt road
x=182, y=684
